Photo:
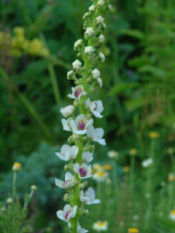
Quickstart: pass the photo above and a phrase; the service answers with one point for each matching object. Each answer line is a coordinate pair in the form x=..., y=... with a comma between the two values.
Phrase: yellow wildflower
x=16, y=167
x=171, y=177
x=133, y=230
x=154, y=135
x=133, y=151
x=107, y=167
x=126, y=169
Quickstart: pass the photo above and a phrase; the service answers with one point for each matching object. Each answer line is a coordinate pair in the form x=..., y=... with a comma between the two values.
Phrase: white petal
x=59, y=183
x=60, y=215
x=65, y=125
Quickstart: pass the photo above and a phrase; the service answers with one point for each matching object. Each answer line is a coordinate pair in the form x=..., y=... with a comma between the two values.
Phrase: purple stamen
x=95, y=106
x=67, y=214
x=77, y=92
x=81, y=125
x=82, y=172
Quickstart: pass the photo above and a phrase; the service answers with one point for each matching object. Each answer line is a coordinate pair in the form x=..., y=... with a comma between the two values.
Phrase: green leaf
x=134, y=33
x=122, y=87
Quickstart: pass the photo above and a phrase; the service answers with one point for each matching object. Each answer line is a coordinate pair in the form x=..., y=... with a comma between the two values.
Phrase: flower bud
x=101, y=38
x=101, y=3
x=9, y=200
x=102, y=57
x=16, y=167
x=33, y=188
x=70, y=75
x=92, y=8
x=66, y=197
x=78, y=44
x=67, y=111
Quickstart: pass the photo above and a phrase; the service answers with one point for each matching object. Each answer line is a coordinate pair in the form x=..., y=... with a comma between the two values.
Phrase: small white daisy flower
x=172, y=215
x=100, y=226
x=147, y=162
x=113, y=154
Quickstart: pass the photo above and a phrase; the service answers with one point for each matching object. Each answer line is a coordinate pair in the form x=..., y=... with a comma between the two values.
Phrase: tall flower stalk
x=78, y=118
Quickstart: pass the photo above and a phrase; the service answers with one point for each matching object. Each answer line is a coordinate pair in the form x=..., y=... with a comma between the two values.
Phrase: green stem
x=14, y=185
x=149, y=185
x=76, y=193
x=54, y=83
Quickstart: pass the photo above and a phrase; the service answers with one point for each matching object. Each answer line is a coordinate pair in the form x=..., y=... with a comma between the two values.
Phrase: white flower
x=83, y=170
x=92, y=8
x=100, y=175
x=87, y=156
x=78, y=43
x=89, y=49
x=67, y=111
x=102, y=57
x=89, y=32
x=96, y=73
x=68, y=152
x=96, y=107
x=68, y=183
x=67, y=213
x=172, y=215
x=112, y=154
x=9, y=200
x=70, y=74
x=77, y=92
x=96, y=135
x=101, y=2
x=88, y=197
x=99, y=81
x=100, y=19
x=100, y=226
x=81, y=230
x=110, y=7
x=147, y=162
x=86, y=15
x=76, y=64
x=81, y=124
x=101, y=38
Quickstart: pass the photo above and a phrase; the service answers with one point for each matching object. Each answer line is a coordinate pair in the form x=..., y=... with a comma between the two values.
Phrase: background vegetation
x=36, y=51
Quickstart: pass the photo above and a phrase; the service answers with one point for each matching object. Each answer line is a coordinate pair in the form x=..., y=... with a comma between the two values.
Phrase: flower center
x=77, y=92
x=81, y=125
x=67, y=214
x=82, y=172
x=95, y=108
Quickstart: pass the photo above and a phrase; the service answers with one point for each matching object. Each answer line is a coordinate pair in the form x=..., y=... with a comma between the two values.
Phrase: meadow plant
x=13, y=213
x=79, y=118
